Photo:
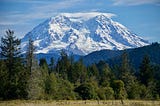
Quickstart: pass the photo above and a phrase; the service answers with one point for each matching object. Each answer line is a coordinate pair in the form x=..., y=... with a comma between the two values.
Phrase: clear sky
x=140, y=16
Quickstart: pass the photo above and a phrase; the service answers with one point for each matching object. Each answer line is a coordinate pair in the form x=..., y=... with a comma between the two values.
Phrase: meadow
x=79, y=103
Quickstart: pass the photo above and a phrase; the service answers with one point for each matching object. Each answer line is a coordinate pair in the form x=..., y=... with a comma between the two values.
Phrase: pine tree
x=30, y=55
x=16, y=83
x=93, y=71
x=146, y=75
x=106, y=76
x=43, y=62
x=128, y=77
x=125, y=68
x=119, y=89
x=63, y=65
x=10, y=50
x=146, y=72
x=51, y=65
x=52, y=86
x=105, y=73
x=4, y=80
x=35, y=82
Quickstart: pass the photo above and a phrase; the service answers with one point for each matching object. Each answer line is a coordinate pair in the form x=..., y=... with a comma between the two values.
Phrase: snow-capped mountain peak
x=82, y=33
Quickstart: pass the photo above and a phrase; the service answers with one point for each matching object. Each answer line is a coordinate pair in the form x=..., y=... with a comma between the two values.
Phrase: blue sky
x=140, y=16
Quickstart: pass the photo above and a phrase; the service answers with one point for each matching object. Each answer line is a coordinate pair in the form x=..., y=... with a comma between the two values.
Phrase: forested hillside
x=135, y=55
x=66, y=79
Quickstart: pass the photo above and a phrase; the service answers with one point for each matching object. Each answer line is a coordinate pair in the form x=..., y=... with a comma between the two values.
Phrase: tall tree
x=119, y=89
x=43, y=63
x=63, y=65
x=125, y=68
x=30, y=55
x=36, y=83
x=105, y=73
x=10, y=49
x=51, y=65
x=4, y=79
x=127, y=76
x=93, y=71
x=146, y=75
x=146, y=72
x=16, y=83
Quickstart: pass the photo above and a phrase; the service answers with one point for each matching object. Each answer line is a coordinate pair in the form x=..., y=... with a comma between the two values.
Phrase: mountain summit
x=81, y=34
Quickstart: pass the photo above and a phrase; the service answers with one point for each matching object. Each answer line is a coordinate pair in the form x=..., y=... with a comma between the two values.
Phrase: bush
x=86, y=91
x=118, y=86
x=65, y=90
x=105, y=93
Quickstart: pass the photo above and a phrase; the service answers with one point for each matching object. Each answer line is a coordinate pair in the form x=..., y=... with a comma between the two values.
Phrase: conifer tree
x=63, y=65
x=93, y=71
x=105, y=73
x=36, y=83
x=4, y=80
x=10, y=50
x=127, y=76
x=16, y=83
x=125, y=68
x=30, y=55
x=147, y=77
x=51, y=65
x=119, y=89
x=146, y=72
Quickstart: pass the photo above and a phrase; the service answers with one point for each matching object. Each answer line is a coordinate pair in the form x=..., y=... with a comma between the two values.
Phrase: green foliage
x=130, y=81
x=101, y=94
x=146, y=72
x=93, y=71
x=36, y=84
x=109, y=93
x=119, y=90
x=134, y=90
x=105, y=93
x=67, y=79
x=4, y=80
x=43, y=63
x=58, y=88
x=65, y=90
x=77, y=72
x=13, y=72
x=105, y=73
x=30, y=59
x=86, y=91
x=51, y=65
x=63, y=65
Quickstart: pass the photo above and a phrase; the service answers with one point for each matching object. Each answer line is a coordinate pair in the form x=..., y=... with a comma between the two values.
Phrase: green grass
x=79, y=103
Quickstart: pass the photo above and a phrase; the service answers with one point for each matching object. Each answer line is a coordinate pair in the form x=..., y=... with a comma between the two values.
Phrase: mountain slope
x=81, y=34
x=135, y=55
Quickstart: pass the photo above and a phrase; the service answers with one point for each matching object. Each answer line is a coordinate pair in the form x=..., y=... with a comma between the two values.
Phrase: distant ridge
x=135, y=55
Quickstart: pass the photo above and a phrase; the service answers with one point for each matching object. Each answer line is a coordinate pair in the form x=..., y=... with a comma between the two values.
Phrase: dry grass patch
x=79, y=103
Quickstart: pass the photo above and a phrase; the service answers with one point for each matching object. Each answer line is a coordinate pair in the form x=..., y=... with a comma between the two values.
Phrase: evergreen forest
x=25, y=77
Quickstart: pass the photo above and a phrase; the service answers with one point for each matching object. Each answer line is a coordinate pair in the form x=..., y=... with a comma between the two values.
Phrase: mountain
x=135, y=55
x=81, y=34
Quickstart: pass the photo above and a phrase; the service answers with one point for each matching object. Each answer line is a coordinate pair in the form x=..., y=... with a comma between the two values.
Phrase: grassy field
x=79, y=103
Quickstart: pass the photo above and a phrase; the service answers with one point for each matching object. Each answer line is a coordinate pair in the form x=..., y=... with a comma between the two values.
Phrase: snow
x=81, y=34
x=85, y=16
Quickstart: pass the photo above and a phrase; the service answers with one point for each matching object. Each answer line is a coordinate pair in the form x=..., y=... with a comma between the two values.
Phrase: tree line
x=24, y=77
